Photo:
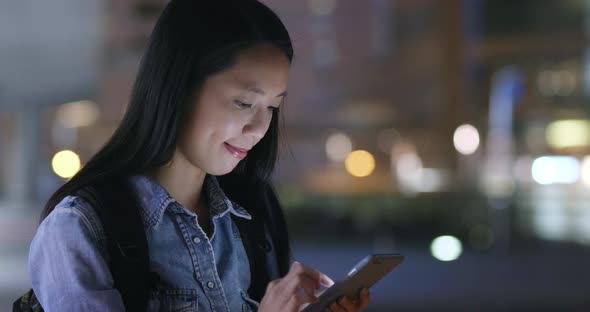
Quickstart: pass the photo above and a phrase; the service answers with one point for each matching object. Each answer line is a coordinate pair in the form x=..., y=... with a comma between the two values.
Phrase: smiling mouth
x=236, y=152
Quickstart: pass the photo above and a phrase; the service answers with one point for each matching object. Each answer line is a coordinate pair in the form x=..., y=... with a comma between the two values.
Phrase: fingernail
x=328, y=279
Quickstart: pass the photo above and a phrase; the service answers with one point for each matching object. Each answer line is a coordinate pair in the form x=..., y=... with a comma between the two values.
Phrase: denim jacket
x=69, y=264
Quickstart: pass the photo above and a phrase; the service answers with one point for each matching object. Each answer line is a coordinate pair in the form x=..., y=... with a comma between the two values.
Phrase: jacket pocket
x=173, y=300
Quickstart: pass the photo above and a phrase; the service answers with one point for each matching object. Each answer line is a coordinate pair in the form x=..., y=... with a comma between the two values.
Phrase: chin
x=222, y=170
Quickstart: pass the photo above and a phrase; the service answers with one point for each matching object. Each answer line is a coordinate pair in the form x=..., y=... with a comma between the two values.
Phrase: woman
x=197, y=145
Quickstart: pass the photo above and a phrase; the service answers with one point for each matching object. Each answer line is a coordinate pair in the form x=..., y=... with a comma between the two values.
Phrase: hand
x=293, y=290
x=345, y=304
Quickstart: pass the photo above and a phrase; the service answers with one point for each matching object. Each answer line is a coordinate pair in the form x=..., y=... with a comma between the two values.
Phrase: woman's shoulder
x=73, y=214
x=68, y=264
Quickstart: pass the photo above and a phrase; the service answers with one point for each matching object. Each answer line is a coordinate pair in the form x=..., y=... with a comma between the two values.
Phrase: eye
x=242, y=105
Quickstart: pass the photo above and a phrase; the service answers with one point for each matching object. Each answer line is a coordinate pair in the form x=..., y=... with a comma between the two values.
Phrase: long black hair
x=192, y=40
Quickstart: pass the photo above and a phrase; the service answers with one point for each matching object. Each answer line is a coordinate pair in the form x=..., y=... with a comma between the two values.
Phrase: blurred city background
x=454, y=132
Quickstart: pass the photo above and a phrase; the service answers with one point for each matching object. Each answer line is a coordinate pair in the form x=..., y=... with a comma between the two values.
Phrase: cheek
x=214, y=128
x=268, y=122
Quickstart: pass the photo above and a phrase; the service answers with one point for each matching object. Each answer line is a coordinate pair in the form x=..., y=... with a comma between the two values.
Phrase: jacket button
x=196, y=240
x=211, y=285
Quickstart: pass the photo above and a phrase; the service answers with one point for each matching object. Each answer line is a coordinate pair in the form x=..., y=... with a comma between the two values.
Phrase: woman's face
x=234, y=109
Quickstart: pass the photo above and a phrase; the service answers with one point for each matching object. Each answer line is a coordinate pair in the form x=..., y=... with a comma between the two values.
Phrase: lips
x=237, y=152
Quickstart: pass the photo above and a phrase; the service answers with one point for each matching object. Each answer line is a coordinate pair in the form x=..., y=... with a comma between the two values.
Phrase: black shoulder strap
x=257, y=247
x=27, y=303
x=126, y=241
x=277, y=226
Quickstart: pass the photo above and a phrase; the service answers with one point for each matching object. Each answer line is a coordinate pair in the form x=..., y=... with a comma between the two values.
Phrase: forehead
x=263, y=66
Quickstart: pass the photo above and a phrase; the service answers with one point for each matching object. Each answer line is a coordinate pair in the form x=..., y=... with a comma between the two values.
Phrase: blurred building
x=48, y=58
x=436, y=127
x=392, y=106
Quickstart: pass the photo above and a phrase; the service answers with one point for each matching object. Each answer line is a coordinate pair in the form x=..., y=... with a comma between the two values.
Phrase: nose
x=257, y=126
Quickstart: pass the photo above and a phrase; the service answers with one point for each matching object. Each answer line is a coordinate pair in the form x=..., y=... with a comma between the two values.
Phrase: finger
x=317, y=276
x=335, y=307
x=364, y=299
x=326, y=280
x=299, y=281
x=302, y=291
x=298, y=268
x=297, y=300
x=347, y=304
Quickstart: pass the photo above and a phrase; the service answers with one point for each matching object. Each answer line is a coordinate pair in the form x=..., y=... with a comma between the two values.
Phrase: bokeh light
x=65, y=164
x=408, y=163
x=556, y=82
x=446, y=248
x=466, y=139
x=556, y=170
x=586, y=171
x=77, y=114
x=338, y=146
x=408, y=169
x=360, y=163
x=568, y=133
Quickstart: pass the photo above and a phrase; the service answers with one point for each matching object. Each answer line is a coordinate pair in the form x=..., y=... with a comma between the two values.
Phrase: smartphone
x=366, y=273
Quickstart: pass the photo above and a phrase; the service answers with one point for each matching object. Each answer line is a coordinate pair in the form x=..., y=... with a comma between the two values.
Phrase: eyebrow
x=259, y=91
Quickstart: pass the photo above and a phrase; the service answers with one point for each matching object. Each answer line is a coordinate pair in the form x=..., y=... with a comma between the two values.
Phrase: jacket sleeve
x=67, y=268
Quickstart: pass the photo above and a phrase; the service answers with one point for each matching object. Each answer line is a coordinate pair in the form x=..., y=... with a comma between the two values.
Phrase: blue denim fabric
x=69, y=264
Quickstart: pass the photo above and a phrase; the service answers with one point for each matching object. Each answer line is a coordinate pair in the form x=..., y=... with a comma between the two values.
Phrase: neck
x=183, y=181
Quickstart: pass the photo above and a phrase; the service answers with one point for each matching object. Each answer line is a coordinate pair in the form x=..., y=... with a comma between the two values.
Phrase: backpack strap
x=118, y=211
x=257, y=247
x=27, y=303
x=277, y=226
